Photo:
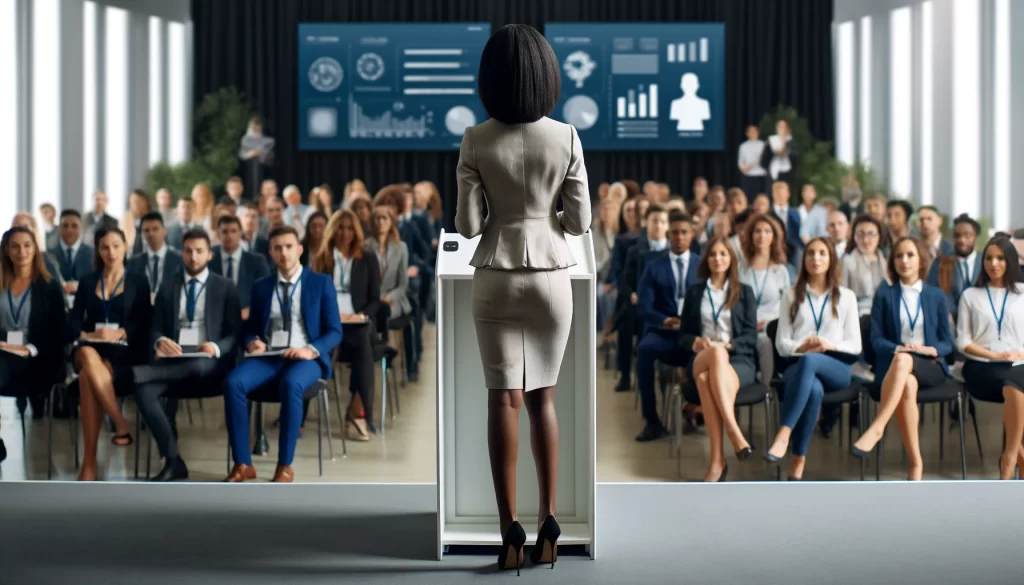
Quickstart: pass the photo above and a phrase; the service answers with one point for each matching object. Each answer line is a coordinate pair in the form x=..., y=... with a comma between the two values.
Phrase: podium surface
x=467, y=511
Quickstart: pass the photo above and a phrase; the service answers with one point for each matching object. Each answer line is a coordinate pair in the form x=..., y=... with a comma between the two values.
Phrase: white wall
x=950, y=97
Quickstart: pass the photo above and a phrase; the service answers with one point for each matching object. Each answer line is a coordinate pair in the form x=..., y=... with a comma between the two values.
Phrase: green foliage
x=218, y=125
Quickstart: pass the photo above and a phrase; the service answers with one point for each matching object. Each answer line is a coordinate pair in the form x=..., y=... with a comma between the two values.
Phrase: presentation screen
x=388, y=86
x=642, y=86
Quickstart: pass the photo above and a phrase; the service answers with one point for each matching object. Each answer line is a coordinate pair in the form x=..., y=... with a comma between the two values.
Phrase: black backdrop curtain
x=777, y=52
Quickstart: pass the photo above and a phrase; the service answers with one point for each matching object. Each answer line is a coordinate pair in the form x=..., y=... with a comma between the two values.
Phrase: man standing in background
x=48, y=215
x=92, y=221
x=753, y=181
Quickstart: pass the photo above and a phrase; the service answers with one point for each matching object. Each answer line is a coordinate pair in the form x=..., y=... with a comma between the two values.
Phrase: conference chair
x=849, y=397
x=941, y=395
x=47, y=393
x=269, y=395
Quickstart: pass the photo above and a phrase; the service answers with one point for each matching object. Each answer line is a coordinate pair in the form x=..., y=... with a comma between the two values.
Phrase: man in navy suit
x=789, y=218
x=968, y=264
x=661, y=292
x=73, y=256
x=636, y=260
x=252, y=240
x=157, y=261
x=230, y=261
x=294, y=312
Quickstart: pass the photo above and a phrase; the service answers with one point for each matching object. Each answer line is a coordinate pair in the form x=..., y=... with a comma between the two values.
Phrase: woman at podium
x=513, y=170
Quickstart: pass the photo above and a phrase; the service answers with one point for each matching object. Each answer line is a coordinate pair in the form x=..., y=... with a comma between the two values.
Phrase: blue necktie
x=681, y=280
x=154, y=276
x=190, y=302
x=231, y=269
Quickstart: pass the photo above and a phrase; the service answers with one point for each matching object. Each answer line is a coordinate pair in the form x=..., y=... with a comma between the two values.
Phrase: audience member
x=163, y=205
x=967, y=267
x=230, y=260
x=838, y=231
x=750, y=152
x=897, y=218
x=864, y=265
x=97, y=217
x=157, y=263
x=762, y=266
x=813, y=217
x=782, y=155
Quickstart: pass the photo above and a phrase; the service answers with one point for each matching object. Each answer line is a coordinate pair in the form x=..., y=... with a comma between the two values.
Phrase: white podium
x=467, y=512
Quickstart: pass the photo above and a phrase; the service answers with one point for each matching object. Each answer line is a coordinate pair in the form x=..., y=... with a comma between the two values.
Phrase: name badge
x=279, y=340
x=345, y=304
x=1000, y=346
x=152, y=298
x=188, y=337
x=15, y=338
x=107, y=326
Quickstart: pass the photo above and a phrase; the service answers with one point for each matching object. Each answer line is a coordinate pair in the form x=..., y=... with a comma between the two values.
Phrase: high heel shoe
x=771, y=458
x=546, y=549
x=744, y=453
x=725, y=473
x=511, y=547
x=859, y=452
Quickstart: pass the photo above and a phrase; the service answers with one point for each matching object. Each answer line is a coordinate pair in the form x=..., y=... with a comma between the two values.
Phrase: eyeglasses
x=865, y=235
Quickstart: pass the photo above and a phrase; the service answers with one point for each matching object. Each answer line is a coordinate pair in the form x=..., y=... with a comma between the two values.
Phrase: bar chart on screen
x=637, y=112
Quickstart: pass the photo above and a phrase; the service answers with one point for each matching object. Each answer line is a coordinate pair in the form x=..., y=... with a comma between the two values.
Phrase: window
x=927, y=121
x=900, y=103
x=845, y=96
x=156, y=91
x=1001, y=115
x=8, y=112
x=116, y=111
x=46, y=103
x=966, y=105
x=865, y=88
x=89, y=143
x=178, y=125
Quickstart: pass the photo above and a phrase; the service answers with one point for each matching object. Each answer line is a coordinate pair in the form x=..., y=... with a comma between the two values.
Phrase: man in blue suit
x=661, y=292
x=157, y=260
x=230, y=261
x=789, y=218
x=968, y=264
x=294, y=323
x=73, y=256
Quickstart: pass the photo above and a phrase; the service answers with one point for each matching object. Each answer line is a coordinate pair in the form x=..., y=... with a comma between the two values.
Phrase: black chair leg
x=322, y=415
x=879, y=451
x=49, y=434
x=977, y=437
x=767, y=429
x=138, y=438
x=963, y=449
x=942, y=435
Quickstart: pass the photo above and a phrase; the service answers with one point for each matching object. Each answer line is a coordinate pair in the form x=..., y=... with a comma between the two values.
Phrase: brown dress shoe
x=284, y=474
x=241, y=472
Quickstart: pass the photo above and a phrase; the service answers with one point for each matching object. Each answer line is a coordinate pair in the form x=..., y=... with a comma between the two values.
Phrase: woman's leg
x=1013, y=420
x=91, y=416
x=713, y=425
x=724, y=385
x=503, y=446
x=540, y=405
x=908, y=416
x=797, y=390
x=362, y=374
x=810, y=375
x=101, y=383
x=804, y=429
x=893, y=387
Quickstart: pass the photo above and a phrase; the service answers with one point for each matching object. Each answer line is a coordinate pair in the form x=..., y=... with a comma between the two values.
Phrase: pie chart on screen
x=458, y=119
x=580, y=111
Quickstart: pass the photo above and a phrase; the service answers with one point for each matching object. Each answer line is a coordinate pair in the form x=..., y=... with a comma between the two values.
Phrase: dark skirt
x=985, y=381
x=928, y=372
x=744, y=366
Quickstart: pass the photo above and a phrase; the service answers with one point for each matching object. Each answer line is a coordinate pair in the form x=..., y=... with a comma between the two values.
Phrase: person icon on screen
x=690, y=112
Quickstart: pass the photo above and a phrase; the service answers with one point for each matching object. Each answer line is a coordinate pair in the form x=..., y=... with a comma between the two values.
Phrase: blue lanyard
x=16, y=313
x=103, y=295
x=286, y=309
x=759, y=291
x=913, y=319
x=714, y=314
x=1002, y=313
x=190, y=306
x=819, y=316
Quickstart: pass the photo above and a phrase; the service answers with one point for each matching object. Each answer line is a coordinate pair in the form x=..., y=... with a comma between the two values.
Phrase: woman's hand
x=760, y=326
x=18, y=350
x=700, y=344
x=386, y=300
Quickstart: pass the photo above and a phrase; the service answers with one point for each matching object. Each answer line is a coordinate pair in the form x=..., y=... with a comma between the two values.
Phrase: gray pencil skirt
x=522, y=322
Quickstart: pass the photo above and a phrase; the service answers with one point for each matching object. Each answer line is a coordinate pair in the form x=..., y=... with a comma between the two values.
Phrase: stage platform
x=813, y=533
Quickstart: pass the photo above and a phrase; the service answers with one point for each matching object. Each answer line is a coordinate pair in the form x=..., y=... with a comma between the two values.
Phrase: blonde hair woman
x=202, y=197
x=353, y=189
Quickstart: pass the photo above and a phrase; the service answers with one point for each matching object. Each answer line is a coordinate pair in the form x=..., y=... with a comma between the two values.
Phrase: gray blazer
x=394, y=275
x=863, y=276
x=518, y=174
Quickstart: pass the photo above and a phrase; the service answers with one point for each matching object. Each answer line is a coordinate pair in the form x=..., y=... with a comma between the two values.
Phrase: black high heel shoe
x=511, y=546
x=546, y=549
x=859, y=452
x=771, y=458
x=725, y=473
x=744, y=453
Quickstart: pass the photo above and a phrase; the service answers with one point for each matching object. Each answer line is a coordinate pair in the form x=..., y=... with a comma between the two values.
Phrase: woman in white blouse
x=864, y=264
x=819, y=327
x=718, y=326
x=911, y=336
x=763, y=268
x=782, y=156
x=990, y=333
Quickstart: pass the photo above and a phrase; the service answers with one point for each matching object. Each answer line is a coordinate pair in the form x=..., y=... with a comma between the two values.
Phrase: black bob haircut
x=519, y=78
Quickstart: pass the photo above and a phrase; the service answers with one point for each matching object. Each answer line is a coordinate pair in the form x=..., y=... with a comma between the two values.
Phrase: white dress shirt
x=769, y=286
x=965, y=266
x=236, y=262
x=685, y=257
x=911, y=310
x=977, y=321
x=162, y=255
x=657, y=245
x=719, y=329
x=779, y=164
x=842, y=332
x=783, y=212
x=841, y=248
x=199, y=316
x=297, y=336
x=342, y=282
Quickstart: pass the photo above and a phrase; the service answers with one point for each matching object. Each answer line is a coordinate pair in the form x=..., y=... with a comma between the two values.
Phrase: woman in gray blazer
x=513, y=171
x=393, y=260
